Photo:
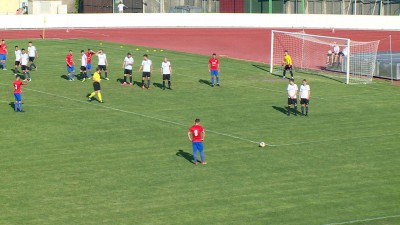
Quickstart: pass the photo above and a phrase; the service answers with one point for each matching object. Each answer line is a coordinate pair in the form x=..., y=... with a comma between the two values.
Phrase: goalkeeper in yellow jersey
x=96, y=86
x=287, y=64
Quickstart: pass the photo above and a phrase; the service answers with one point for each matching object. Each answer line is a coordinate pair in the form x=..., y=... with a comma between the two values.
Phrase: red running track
x=242, y=43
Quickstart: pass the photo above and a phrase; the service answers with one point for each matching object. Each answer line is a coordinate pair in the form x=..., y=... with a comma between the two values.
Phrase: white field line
x=139, y=114
x=364, y=220
x=337, y=139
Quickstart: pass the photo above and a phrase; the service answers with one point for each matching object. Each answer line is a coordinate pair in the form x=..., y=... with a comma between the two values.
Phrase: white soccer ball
x=329, y=52
x=262, y=144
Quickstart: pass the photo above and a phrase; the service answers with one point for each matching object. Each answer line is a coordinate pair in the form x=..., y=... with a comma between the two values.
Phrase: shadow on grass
x=65, y=77
x=158, y=85
x=280, y=109
x=186, y=155
x=266, y=69
x=202, y=81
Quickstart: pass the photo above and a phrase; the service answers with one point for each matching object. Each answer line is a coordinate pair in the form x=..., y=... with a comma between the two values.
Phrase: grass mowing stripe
x=364, y=220
x=142, y=115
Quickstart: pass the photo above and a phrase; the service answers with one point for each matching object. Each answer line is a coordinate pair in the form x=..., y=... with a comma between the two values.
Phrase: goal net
x=352, y=62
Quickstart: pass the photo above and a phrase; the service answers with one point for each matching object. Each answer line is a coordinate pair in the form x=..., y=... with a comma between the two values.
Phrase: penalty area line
x=141, y=115
x=329, y=140
x=364, y=220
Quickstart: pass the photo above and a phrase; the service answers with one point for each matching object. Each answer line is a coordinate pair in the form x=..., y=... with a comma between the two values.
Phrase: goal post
x=351, y=62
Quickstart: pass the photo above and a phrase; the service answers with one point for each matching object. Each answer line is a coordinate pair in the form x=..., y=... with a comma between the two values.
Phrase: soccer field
x=128, y=161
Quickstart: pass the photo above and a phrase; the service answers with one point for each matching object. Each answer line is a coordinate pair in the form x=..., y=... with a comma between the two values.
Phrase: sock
x=106, y=73
x=16, y=106
x=72, y=75
x=295, y=109
x=163, y=83
x=4, y=65
x=284, y=73
x=291, y=73
x=81, y=74
x=148, y=83
x=288, y=110
x=124, y=79
x=302, y=110
x=90, y=73
x=33, y=64
x=24, y=75
x=130, y=79
x=169, y=84
x=212, y=80
x=217, y=80
x=20, y=106
x=84, y=75
x=306, y=109
x=29, y=74
x=100, y=98
x=92, y=94
x=142, y=83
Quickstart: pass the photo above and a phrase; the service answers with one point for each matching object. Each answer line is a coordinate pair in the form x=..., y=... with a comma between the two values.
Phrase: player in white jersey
x=166, y=71
x=305, y=93
x=147, y=67
x=32, y=53
x=127, y=66
x=292, y=96
x=17, y=59
x=83, y=65
x=103, y=63
x=24, y=65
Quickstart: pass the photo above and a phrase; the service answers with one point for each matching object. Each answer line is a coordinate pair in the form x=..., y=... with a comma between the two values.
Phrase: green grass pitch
x=68, y=161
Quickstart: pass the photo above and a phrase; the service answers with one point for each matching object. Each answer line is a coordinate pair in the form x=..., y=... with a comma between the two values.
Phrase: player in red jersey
x=89, y=55
x=196, y=135
x=213, y=68
x=70, y=66
x=17, y=94
x=3, y=54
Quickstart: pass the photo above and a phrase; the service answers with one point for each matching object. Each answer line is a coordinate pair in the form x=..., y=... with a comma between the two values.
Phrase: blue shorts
x=89, y=66
x=3, y=56
x=214, y=72
x=70, y=69
x=18, y=97
x=197, y=146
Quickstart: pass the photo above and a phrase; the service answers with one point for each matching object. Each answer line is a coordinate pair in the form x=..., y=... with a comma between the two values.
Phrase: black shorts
x=292, y=101
x=166, y=76
x=83, y=68
x=304, y=101
x=96, y=86
x=31, y=59
x=24, y=67
x=341, y=54
x=102, y=67
x=146, y=74
x=288, y=67
x=126, y=71
x=17, y=63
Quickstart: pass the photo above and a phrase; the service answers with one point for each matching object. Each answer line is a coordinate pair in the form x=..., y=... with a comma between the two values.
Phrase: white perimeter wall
x=200, y=20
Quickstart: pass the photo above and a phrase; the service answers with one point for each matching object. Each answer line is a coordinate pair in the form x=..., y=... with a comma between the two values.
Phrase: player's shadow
x=261, y=67
x=158, y=85
x=202, y=81
x=120, y=80
x=64, y=77
x=185, y=155
x=280, y=109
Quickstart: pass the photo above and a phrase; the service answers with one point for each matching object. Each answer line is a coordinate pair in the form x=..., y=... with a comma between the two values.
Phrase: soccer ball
x=262, y=144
